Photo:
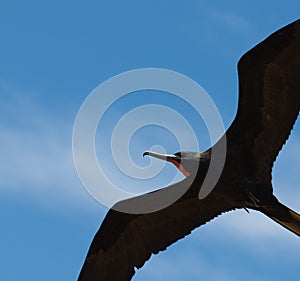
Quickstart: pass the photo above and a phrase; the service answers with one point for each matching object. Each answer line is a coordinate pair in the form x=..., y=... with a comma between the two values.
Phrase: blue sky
x=53, y=54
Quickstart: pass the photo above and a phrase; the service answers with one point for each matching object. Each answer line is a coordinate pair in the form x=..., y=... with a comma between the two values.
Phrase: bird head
x=186, y=162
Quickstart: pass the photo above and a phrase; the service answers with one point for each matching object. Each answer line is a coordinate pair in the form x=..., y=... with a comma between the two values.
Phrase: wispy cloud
x=36, y=155
x=230, y=20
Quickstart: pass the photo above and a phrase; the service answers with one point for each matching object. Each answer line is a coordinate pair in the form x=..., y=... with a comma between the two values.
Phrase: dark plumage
x=269, y=103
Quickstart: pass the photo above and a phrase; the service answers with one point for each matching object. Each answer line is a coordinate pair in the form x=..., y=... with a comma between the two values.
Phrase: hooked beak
x=170, y=158
x=166, y=157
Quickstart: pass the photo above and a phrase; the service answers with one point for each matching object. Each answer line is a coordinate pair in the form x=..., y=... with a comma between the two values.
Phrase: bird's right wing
x=269, y=102
x=126, y=241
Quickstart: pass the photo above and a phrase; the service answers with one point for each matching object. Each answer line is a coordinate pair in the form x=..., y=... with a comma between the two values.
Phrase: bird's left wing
x=126, y=241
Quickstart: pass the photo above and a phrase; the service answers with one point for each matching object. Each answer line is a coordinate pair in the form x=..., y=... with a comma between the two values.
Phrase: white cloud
x=36, y=155
x=32, y=157
x=231, y=20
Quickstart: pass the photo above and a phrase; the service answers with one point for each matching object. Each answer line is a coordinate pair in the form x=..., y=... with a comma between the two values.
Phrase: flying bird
x=269, y=103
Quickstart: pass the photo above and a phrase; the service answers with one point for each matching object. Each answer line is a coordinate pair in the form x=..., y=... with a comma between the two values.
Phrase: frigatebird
x=268, y=106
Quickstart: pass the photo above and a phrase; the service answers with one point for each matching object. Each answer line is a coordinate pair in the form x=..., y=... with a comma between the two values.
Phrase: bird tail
x=283, y=215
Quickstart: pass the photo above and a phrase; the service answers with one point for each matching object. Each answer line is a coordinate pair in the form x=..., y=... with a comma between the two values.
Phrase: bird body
x=269, y=103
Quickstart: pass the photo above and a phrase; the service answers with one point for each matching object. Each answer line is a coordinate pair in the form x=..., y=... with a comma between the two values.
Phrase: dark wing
x=126, y=241
x=269, y=101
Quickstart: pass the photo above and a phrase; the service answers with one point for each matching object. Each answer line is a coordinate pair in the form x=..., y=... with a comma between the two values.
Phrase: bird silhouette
x=269, y=103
